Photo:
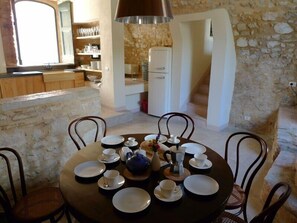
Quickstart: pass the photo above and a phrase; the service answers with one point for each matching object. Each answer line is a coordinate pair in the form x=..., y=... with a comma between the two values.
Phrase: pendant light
x=143, y=11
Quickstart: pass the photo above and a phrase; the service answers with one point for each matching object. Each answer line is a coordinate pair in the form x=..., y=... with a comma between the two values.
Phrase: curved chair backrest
x=81, y=125
x=280, y=190
x=11, y=160
x=177, y=116
x=249, y=172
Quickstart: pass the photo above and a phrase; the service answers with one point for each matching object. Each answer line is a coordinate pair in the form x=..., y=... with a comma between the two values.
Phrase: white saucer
x=128, y=145
x=89, y=169
x=112, y=140
x=206, y=165
x=120, y=183
x=101, y=159
x=173, y=142
x=192, y=148
x=175, y=197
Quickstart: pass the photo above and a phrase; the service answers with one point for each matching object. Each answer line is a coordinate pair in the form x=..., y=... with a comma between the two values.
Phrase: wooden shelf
x=88, y=37
x=90, y=70
x=89, y=54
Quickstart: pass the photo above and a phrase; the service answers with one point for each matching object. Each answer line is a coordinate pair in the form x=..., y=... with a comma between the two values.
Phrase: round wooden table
x=89, y=203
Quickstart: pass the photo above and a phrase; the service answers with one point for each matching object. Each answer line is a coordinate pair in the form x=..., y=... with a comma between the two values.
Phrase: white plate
x=192, y=148
x=115, y=158
x=89, y=169
x=162, y=138
x=120, y=183
x=177, y=141
x=128, y=145
x=175, y=197
x=201, y=185
x=206, y=165
x=112, y=140
x=131, y=200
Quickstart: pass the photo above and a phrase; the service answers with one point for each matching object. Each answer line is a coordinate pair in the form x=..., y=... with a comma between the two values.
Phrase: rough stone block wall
x=265, y=34
x=283, y=169
x=36, y=126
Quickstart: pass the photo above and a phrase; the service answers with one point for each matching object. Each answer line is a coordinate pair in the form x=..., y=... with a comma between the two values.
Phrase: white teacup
x=173, y=138
x=131, y=141
x=200, y=159
x=167, y=188
x=111, y=177
x=108, y=154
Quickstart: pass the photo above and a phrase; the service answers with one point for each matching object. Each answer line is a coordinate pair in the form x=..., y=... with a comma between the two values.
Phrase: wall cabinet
x=17, y=86
x=63, y=80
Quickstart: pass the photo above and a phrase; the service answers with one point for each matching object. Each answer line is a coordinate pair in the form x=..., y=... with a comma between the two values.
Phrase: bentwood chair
x=169, y=120
x=91, y=127
x=20, y=206
x=279, y=194
x=249, y=166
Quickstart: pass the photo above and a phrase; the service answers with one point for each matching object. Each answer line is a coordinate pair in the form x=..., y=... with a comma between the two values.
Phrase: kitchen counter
x=34, y=73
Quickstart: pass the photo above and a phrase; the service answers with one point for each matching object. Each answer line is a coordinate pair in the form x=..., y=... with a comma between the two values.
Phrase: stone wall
x=36, y=126
x=284, y=156
x=265, y=35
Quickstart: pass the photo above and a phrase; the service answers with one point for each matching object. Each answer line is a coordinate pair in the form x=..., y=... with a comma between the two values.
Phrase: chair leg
x=68, y=217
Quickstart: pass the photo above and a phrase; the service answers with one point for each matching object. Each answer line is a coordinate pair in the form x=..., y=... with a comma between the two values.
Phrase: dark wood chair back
x=166, y=121
x=78, y=127
x=276, y=198
x=234, y=145
x=43, y=204
x=282, y=191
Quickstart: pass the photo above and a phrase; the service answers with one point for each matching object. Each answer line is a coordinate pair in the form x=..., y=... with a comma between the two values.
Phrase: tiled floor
x=143, y=123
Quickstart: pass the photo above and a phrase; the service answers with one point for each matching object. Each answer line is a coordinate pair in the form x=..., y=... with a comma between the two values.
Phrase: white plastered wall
x=112, y=48
x=223, y=66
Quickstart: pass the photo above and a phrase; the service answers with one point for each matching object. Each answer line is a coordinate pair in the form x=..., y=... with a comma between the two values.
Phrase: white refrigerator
x=159, y=80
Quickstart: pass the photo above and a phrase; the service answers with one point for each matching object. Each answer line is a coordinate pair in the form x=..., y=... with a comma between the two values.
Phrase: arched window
x=37, y=33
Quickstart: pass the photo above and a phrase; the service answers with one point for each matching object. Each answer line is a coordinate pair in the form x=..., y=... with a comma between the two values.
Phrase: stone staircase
x=200, y=97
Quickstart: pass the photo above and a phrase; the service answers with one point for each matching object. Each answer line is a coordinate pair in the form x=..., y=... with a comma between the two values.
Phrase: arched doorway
x=223, y=66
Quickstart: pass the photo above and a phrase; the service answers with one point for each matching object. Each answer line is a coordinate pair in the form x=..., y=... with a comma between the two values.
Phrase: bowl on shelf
x=92, y=77
x=85, y=66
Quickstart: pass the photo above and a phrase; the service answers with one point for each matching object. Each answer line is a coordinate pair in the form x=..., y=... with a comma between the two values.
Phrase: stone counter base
x=285, y=164
x=36, y=126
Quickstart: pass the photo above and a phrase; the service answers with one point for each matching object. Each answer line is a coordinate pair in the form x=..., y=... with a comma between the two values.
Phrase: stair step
x=200, y=99
x=201, y=110
x=203, y=89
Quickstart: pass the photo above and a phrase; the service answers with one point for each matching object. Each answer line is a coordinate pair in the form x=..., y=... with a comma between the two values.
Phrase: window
x=43, y=32
x=37, y=33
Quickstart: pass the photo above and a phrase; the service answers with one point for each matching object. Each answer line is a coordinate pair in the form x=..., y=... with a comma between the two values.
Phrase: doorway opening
x=192, y=60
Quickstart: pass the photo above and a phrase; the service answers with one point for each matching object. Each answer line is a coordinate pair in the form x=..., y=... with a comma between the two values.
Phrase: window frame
x=49, y=3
